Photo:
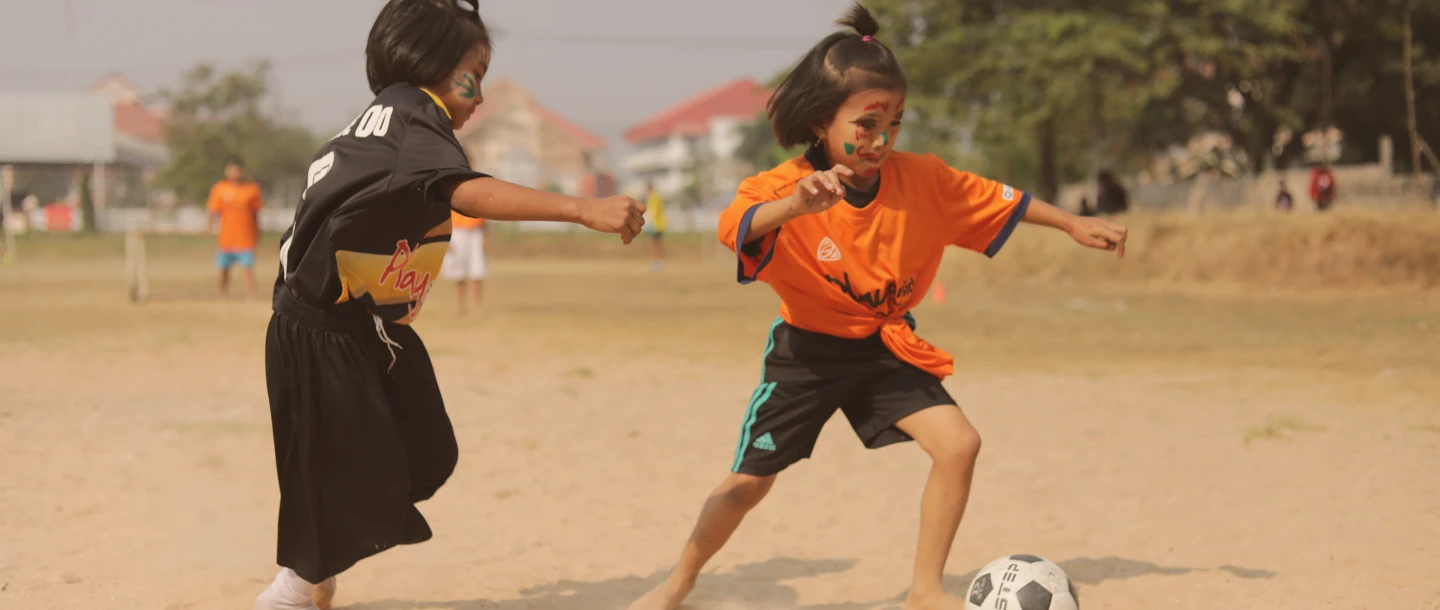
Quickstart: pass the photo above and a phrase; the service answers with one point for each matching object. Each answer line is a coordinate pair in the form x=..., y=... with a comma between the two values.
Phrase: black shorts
x=356, y=445
x=807, y=376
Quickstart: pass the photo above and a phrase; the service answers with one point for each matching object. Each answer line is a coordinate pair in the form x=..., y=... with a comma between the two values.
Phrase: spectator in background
x=465, y=262
x=655, y=205
x=1322, y=186
x=235, y=204
x=1284, y=201
x=1085, y=208
x=1111, y=198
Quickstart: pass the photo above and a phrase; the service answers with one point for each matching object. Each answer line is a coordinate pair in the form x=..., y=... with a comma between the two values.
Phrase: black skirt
x=361, y=435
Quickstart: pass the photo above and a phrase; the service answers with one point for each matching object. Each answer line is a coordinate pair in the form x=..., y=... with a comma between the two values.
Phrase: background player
x=465, y=263
x=850, y=236
x=655, y=205
x=235, y=205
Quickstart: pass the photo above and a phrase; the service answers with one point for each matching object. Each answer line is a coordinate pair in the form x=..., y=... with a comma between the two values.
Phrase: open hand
x=1099, y=233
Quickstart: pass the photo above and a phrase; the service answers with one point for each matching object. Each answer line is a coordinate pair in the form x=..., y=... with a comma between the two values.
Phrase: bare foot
x=667, y=596
x=933, y=601
x=325, y=594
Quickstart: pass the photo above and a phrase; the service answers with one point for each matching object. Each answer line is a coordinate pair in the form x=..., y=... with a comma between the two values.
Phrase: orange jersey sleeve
x=980, y=213
x=754, y=191
x=461, y=221
x=213, y=204
x=257, y=201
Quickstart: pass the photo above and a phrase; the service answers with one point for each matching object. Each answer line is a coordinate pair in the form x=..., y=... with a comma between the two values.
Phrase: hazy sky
x=605, y=64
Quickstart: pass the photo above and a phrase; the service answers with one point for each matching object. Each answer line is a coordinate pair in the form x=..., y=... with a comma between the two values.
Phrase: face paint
x=849, y=148
x=465, y=86
x=879, y=106
x=885, y=138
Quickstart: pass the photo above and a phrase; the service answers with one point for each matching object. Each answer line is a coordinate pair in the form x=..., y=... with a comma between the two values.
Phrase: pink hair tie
x=866, y=39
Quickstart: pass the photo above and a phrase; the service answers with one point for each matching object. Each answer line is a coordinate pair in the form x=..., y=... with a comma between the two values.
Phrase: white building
x=699, y=133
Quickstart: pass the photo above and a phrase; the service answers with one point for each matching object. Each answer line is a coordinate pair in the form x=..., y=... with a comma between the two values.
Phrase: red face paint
x=878, y=106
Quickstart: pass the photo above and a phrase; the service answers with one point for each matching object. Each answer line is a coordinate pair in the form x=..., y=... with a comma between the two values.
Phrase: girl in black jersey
x=361, y=432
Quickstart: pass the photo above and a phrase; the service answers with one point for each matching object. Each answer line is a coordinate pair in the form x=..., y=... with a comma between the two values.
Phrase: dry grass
x=1347, y=249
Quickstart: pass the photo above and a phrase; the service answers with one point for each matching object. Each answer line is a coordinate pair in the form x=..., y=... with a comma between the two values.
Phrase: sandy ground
x=1168, y=450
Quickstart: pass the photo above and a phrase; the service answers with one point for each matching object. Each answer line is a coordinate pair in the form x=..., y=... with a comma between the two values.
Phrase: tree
x=214, y=116
x=758, y=147
x=1052, y=89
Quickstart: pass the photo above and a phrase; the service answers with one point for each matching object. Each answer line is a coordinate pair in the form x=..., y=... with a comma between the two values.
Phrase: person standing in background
x=465, y=262
x=1111, y=198
x=1284, y=201
x=1322, y=186
x=235, y=205
x=655, y=204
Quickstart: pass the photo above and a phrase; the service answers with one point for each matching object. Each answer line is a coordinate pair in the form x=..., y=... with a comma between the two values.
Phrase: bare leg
x=953, y=444
x=224, y=281
x=722, y=514
x=479, y=292
x=460, y=295
x=250, y=282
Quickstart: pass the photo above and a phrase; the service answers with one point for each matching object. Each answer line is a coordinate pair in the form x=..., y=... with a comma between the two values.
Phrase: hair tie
x=866, y=38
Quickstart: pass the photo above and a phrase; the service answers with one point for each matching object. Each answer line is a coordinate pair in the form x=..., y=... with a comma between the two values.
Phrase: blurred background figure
x=465, y=263
x=235, y=205
x=1322, y=186
x=1284, y=201
x=655, y=206
x=1110, y=198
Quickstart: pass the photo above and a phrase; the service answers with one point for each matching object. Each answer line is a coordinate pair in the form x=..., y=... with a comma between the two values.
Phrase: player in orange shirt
x=850, y=237
x=235, y=203
x=465, y=262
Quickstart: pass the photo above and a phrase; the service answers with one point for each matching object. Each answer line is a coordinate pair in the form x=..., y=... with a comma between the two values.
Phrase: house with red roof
x=697, y=136
x=515, y=138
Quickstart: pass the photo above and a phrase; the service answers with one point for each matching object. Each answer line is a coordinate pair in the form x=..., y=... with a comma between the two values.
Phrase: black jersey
x=369, y=228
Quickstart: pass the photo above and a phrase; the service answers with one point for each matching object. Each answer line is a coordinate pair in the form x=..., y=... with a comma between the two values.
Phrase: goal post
x=137, y=275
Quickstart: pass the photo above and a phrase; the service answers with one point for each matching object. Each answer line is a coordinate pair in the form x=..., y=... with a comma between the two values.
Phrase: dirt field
x=1189, y=449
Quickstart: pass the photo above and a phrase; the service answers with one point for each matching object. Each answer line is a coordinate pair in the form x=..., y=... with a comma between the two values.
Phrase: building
x=515, y=138
x=53, y=140
x=696, y=137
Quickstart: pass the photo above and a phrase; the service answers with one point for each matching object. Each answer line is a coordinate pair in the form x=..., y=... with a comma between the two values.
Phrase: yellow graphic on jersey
x=403, y=277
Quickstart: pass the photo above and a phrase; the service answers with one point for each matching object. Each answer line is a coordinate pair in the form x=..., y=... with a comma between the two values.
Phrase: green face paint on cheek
x=885, y=138
x=849, y=148
x=465, y=86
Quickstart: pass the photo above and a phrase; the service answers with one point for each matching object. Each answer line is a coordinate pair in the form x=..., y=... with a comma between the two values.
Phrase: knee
x=959, y=450
x=745, y=491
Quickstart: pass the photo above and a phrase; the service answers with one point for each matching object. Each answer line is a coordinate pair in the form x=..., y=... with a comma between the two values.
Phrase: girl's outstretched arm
x=1087, y=231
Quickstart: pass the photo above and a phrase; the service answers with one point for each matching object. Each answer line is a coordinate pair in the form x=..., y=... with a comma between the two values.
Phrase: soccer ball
x=1021, y=582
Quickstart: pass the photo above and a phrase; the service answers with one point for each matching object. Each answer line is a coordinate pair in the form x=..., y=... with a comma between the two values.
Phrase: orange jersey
x=851, y=272
x=236, y=204
x=461, y=221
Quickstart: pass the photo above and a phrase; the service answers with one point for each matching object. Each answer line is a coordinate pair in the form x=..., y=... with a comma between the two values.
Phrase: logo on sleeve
x=828, y=252
x=1008, y=194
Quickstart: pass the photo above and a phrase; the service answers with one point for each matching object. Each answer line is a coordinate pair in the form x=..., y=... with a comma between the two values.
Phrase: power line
x=521, y=36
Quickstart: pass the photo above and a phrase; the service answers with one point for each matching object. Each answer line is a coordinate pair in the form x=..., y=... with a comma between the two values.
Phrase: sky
x=605, y=64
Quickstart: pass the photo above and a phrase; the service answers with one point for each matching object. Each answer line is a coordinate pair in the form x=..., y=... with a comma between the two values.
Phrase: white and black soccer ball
x=1021, y=582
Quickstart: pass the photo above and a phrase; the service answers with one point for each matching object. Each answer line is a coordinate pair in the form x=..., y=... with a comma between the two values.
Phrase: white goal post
x=137, y=275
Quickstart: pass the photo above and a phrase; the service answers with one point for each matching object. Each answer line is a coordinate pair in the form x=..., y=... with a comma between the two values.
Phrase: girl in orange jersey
x=850, y=236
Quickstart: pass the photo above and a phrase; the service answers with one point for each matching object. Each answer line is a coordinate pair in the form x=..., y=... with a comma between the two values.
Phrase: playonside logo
x=828, y=252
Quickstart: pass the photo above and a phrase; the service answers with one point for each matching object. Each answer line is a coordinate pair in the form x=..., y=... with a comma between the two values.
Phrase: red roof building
x=697, y=136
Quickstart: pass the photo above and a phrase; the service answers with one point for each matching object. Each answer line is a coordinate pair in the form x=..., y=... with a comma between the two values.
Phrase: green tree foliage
x=1049, y=90
x=214, y=116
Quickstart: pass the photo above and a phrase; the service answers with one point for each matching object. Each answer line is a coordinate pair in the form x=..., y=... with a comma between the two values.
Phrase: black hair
x=844, y=63
x=234, y=160
x=421, y=41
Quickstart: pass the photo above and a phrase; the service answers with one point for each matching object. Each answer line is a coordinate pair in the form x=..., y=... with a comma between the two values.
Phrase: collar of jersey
x=437, y=101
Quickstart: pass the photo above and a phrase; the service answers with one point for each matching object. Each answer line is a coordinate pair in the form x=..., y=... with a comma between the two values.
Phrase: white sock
x=292, y=588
